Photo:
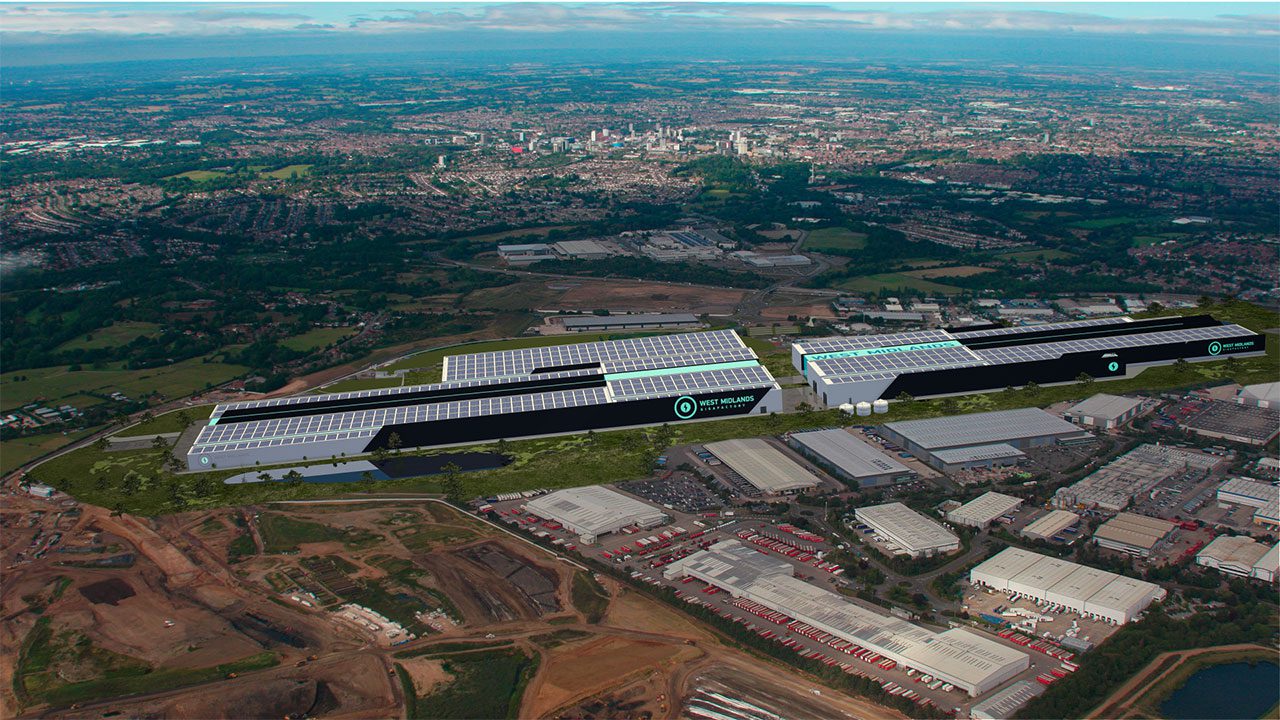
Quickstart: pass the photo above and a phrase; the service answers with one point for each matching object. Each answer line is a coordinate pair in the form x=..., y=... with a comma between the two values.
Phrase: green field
x=199, y=175
x=1039, y=254
x=1102, y=223
x=20, y=451
x=287, y=172
x=167, y=423
x=834, y=239
x=1144, y=240
x=892, y=282
x=316, y=338
x=485, y=685
x=57, y=384
x=121, y=333
x=433, y=359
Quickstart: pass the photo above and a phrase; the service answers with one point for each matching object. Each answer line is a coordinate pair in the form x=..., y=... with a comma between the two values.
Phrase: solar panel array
x=391, y=392
x=860, y=342
x=989, y=332
x=1046, y=351
x=366, y=423
x=510, y=363
x=854, y=369
x=707, y=381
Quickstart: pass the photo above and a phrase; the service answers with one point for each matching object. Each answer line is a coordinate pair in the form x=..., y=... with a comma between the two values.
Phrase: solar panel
x=707, y=381
x=1046, y=351
x=365, y=423
x=912, y=361
x=508, y=363
x=859, y=342
x=970, y=334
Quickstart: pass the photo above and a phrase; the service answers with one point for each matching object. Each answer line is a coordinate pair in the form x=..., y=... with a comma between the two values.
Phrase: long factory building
x=503, y=394
x=1087, y=591
x=926, y=363
x=958, y=656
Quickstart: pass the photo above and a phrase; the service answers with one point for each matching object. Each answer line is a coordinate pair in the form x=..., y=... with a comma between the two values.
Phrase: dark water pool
x=1233, y=691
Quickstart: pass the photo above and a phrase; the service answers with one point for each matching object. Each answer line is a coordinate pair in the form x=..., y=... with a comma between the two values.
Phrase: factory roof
x=982, y=428
x=977, y=453
x=762, y=465
x=1051, y=524
x=1251, y=489
x=984, y=508
x=1262, y=391
x=1137, y=530
x=855, y=457
x=1083, y=583
x=1009, y=563
x=1005, y=704
x=594, y=509
x=1239, y=550
x=907, y=526
x=1105, y=407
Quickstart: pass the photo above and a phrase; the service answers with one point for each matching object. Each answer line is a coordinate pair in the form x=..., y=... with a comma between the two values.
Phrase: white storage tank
x=880, y=406
x=847, y=408
x=864, y=408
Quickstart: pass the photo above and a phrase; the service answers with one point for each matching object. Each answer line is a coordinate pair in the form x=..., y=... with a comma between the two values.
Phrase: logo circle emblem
x=1113, y=366
x=1215, y=347
x=686, y=407
x=204, y=460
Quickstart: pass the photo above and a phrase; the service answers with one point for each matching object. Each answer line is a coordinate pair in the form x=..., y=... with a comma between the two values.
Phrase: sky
x=53, y=33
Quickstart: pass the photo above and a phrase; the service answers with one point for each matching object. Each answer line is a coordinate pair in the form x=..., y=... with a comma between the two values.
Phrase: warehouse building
x=958, y=656
x=1006, y=703
x=850, y=459
x=585, y=323
x=984, y=509
x=1086, y=591
x=1103, y=411
x=991, y=437
x=1241, y=555
x=581, y=249
x=1051, y=525
x=503, y=394
x=1133, y=534
x=526, y=254
x=1263, y=497
x=1244, y=424
x=595, y=510
x=926, y=363
x=763, y=465
x=1263, y=395
x=906, y=531
x=1113, y=486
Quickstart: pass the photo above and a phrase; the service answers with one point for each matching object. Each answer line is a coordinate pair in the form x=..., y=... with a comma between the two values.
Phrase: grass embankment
x=170, y=422
x=135, y=480
x=485, y=685
x=316, y=338
x=57, y=384
x=1148, y=703
x=37, y=678
x=589, y=597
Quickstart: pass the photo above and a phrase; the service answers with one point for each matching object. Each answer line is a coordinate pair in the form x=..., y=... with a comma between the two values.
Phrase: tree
x=591, y=437
x=159, y=444
x=503, y=447
x=380, y=454
x=101, y=444
x=1181, y=366
x=184, y=419
x=452, y=482
x=264, y=476
x=117, y=510
x=1232, y=366
x=366, y=481
x=905, y=398
x=1085, y=379
x=394, y=442
x=293, y=477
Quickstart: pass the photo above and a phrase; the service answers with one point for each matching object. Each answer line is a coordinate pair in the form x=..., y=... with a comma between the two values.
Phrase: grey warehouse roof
x=848, y=453
x=594, y=509
x=982, y=428
x=1106, y=407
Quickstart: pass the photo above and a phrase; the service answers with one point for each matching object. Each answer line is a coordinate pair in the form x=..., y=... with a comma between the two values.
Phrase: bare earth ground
x=644, y=656
x=648, y=297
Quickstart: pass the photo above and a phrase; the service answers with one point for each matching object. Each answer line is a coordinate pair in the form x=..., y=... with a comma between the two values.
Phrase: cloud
x=301, y=18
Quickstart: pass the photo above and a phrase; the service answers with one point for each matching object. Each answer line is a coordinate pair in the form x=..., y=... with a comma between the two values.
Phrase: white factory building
x=1086, y=591
x=1104, y=411
x=1046, y=527
x=1263, y=395
x=850, y=459
x=763, y=465
x=906, y=530
x=958, y=656
x=1134, y=534
x=1241, y=555
x=1263, y=497
x=594, y=511
x=984, y=509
